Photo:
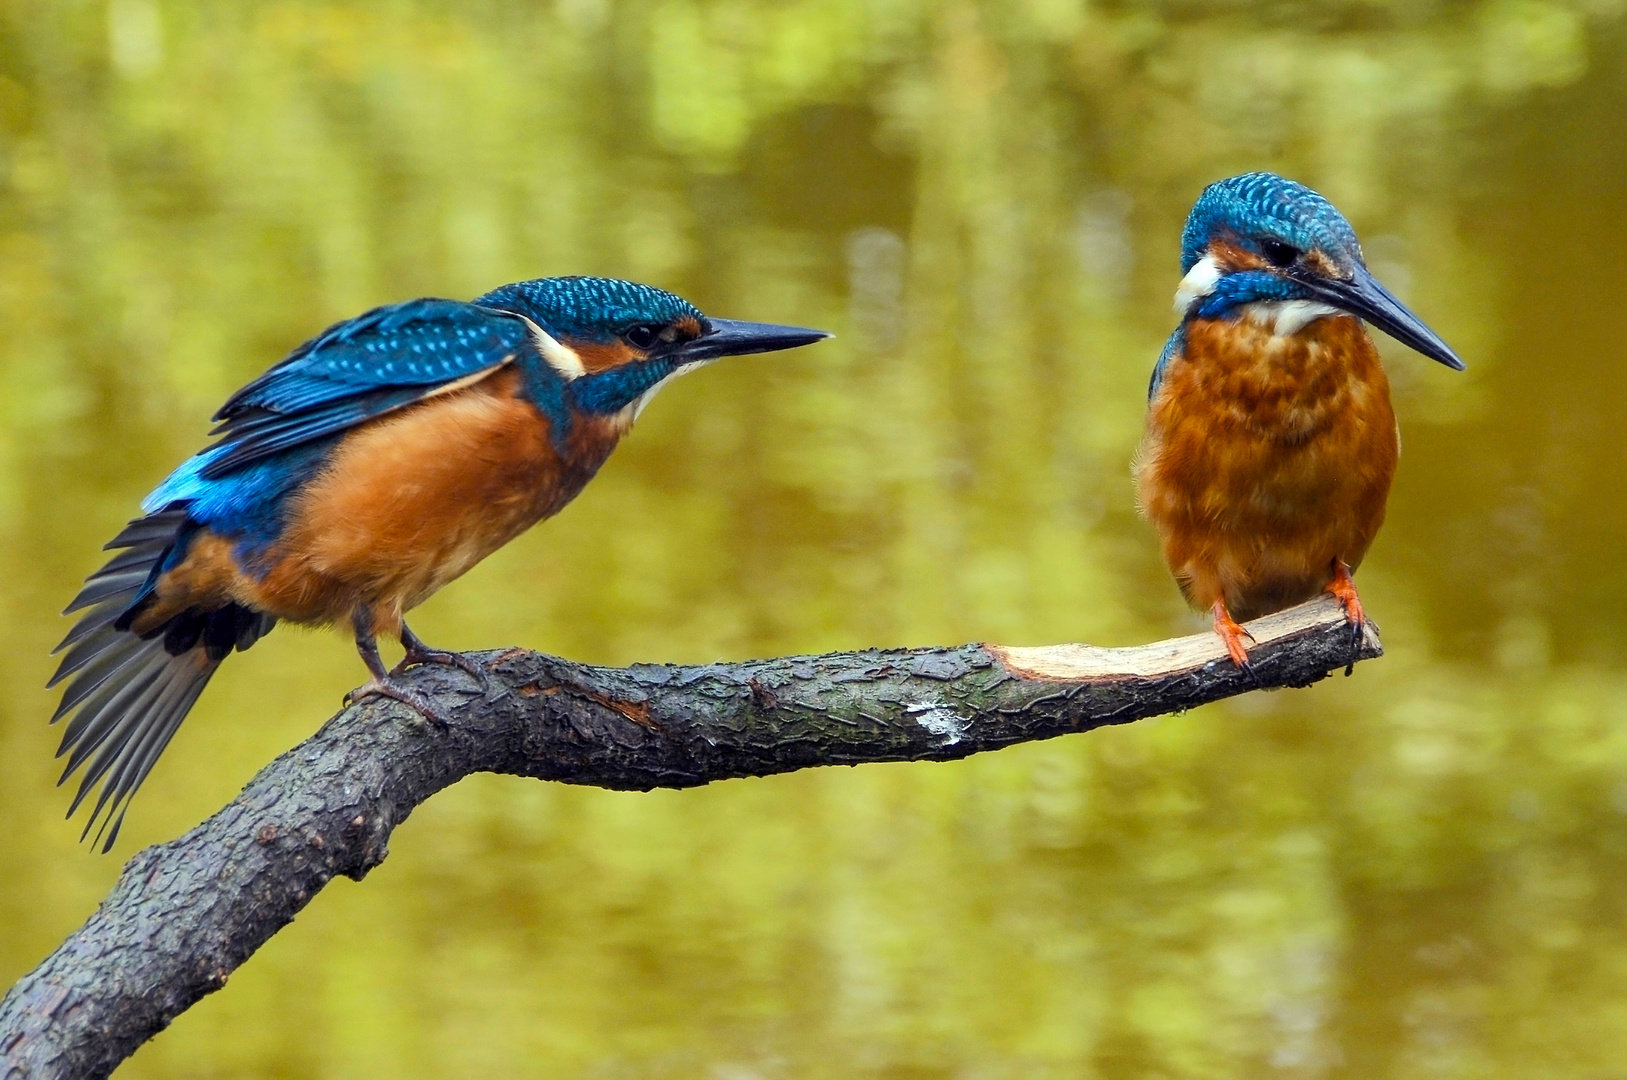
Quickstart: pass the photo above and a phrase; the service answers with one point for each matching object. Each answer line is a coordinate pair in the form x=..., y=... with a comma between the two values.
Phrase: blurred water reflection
x=1421, y=871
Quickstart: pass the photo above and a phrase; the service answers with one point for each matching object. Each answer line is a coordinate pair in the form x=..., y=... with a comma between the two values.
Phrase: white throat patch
x=1287, y=317
x=632, y=411
x=1198, y=283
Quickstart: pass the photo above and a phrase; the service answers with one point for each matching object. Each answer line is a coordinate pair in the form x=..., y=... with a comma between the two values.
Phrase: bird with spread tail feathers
x=1270, y=443
x=376, y=463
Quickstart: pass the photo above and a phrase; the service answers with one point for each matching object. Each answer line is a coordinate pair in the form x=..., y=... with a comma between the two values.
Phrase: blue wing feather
x=265, y=434
x=357, y=370
x=1172, y=348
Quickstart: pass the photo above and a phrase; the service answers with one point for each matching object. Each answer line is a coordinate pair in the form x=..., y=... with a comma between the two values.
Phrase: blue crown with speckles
x=1263, y=202
x=588, y=308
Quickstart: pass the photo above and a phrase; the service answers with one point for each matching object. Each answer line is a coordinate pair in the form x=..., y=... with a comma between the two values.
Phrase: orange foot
x=1343, y=588
x=1232, y=635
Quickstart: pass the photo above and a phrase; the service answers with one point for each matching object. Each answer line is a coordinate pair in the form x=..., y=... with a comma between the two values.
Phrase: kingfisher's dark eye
x=1279, y=253
x=642, y=336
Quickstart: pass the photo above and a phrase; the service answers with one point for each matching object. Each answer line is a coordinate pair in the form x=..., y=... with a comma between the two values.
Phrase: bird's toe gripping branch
x=1343, y=589
x=419, y=654
x=388, y=684
x=1232, y=634
x=387, y=687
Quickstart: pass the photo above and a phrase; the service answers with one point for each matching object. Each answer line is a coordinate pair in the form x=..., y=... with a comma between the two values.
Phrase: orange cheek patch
x=1322, y=265
x=1233, y=258
x=599, y=356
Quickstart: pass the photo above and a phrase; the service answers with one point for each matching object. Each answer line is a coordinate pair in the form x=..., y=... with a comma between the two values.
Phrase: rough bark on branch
x=185, y=914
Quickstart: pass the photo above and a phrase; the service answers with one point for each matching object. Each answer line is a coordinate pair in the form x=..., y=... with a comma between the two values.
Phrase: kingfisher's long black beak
x=1364, y=297
x=730, y=338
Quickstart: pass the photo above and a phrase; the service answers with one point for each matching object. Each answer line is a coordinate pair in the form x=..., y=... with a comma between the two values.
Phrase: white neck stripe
x=1198, y=283
x=561, y=357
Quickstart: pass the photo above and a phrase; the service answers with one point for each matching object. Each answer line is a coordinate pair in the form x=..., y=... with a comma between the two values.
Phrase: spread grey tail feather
x=127, y=724
x=129, y=693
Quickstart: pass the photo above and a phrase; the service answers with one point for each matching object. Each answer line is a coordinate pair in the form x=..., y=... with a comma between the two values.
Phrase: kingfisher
x=375, y=464
x=1270, y=442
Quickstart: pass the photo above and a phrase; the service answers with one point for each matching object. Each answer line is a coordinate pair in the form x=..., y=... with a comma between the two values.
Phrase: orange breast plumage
x=415, y=500
x=404, y=505
x=1267, y=458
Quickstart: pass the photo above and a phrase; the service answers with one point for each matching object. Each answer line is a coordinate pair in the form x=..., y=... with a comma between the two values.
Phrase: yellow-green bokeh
x=1417, y=872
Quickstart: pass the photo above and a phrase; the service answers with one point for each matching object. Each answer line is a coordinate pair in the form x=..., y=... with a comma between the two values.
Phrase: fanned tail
x=132, y=691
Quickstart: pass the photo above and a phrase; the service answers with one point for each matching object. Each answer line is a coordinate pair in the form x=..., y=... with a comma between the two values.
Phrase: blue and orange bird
x=1270, y=442
x=379, y=461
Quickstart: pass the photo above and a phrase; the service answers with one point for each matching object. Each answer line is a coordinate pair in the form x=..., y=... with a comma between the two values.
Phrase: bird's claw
x=443, y=658
x=432, y=714
x=1343, y=589
x=1232, y=634
x=418, y=653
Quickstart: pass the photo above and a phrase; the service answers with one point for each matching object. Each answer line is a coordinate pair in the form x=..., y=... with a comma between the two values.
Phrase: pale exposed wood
x=1075, y=663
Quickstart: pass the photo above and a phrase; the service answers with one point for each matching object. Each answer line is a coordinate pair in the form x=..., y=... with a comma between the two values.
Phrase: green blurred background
x=1420, y=871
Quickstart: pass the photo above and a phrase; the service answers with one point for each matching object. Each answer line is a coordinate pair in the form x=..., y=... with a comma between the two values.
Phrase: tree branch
x=185, y=914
